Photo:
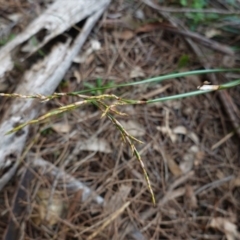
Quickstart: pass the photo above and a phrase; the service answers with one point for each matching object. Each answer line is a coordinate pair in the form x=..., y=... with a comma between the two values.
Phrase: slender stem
x=178, y=96
x=229, y=84
x=160, y=79
x=194, y=93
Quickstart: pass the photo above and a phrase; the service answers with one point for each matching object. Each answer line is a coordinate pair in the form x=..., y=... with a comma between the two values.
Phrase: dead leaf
x=96, y=145
x=99, y=70
x=122, y=66
x=180, y=130
x=199, y=158
x=173, y=166
x=77, y=75
x=133, y=128
x=172, y=133
x=149, y=27
x=140, y=14
x=15, y=17
x=187, y=164
x=194, y=149
x=225, y=226
x=189, y=159
x=220, y=175
x=163, y=130
x=235, y=182
x=193, y=136
x=188, y=111
x=61, y=127
x=46, y=211
x=210, y=33
x=124, y=35
x=190, y=198
x=166, y=130
x=137, y=72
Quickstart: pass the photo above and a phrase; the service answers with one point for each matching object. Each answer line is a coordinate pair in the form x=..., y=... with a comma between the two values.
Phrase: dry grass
x=193, y=184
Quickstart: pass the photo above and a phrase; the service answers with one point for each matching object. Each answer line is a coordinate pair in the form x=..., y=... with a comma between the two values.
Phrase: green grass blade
x=229, y=85
x=195, y=93
x=159, y=79
x=178, y=96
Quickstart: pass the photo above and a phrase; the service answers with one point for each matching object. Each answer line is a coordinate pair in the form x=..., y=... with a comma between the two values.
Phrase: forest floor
x=190, y=146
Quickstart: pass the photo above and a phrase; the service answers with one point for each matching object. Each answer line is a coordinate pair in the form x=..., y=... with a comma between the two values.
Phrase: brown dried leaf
x=77, y=75
x=189, y=159
x=124, y=35
x=137, y=72
x=187, y=164
x=173, y=166
x=61, y=127
x=190, y=198
x=48, y=212
x=235, y=182
x=180, y=130
x=225, y=226
x=199, y=158
x=193, y=136
x=212, y=32
x=96, y=145
x=220, y=175
x=149, y=27
x=168, y=131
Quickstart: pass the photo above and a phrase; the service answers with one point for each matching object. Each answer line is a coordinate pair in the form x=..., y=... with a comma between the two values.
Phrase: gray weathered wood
x=44, y=76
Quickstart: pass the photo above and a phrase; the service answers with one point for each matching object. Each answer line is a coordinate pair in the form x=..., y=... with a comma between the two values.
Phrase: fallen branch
x=71, y=183
x=20, y=212
x=42, y=78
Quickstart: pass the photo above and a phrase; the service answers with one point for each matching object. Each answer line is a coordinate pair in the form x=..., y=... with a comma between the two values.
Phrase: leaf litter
x=186, y=135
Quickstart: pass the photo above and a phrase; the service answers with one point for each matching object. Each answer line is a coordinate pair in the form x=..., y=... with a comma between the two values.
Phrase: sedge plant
x=108, y=104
